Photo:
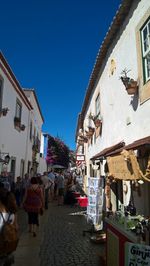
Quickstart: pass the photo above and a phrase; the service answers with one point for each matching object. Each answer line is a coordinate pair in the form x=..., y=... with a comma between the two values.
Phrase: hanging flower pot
x=129, y=83
x=132, y=87
x=5, y=111
x=125, y=80
x=88, y=135
x=97, y=122
x=80, y=142
x=91, y=131
x=22, y=127
x=83, y=138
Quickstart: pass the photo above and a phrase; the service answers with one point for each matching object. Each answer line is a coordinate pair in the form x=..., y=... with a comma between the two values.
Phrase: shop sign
x=137, y=255
x=120, y=168
x=78, y=163
x=80, y=157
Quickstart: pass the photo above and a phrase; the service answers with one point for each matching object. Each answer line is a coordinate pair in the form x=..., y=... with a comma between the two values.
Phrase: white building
x=43, y=153
x=20, y=124
x=35, y=137
x=12, y=137
x=125, y=118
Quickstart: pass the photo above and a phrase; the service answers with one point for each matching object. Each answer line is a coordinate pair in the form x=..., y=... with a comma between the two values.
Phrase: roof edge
x=33, y=90
x=117, y=21
x=20, y=90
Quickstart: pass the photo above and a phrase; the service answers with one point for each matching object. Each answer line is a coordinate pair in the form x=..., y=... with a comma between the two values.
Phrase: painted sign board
x=80, y=157
x=137, y=254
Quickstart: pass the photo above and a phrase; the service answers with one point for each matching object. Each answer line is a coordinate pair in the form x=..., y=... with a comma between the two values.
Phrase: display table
x=82, y=201
x=116, y=237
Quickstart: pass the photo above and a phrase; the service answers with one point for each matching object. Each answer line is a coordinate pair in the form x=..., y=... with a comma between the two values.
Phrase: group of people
x=33, y=195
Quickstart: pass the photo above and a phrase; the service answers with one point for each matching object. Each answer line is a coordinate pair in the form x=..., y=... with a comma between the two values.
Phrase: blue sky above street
x=51, y=46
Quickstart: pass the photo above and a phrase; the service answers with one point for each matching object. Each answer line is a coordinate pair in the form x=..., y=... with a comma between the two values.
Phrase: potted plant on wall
x=83, y=138
x=96, y=119
x=22, y=127
x=88, y=135
x=129, y=83
x=4, y=111
x=91, y=130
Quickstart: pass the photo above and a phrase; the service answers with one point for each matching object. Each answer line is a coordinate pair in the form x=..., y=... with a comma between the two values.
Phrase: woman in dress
x=33, y=203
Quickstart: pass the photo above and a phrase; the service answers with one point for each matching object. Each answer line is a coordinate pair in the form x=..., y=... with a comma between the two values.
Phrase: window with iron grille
x=31, y=130
x=18, y=109
x=145, y=41
x=1, y=93
x=97, y=105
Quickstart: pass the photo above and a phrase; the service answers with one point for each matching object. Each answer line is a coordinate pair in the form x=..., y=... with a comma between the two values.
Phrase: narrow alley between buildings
x=60, y=240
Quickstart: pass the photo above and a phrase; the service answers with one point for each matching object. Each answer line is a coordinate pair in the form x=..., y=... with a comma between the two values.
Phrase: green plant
x=94, y=117
x=5, y=111
x=22, y=127
x=129, y=83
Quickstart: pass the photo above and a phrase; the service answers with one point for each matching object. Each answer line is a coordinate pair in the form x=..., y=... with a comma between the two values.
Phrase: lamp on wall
x=4, y=157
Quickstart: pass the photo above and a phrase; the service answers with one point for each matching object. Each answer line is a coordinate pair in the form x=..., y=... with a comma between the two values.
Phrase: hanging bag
x=8, y=236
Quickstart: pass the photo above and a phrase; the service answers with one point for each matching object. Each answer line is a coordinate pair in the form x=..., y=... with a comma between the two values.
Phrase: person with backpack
x=8, y=226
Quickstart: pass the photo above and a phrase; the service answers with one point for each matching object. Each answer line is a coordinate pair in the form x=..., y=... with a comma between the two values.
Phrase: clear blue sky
x=51, y=46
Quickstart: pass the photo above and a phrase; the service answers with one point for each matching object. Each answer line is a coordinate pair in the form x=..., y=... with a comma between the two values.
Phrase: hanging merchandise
x=125, y=166
x=95, y=201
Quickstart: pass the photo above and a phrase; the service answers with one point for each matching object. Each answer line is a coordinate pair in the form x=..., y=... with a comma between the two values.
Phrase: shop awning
x=123, y=164
x=104, y=152
x=119, y=165
x=133, y=146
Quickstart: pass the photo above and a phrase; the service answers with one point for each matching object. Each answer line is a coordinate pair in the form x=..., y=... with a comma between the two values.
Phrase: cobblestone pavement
x=59, y=242
x=63, y=242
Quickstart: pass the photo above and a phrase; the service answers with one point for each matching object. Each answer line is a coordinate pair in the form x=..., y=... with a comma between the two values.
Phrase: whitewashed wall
x=42, y=161
x=37, y=123
x=11, y=140
x=116, y=104
x=124, y=117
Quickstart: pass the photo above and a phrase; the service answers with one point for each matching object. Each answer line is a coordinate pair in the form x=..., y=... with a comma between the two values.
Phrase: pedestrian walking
x=70, y=189
x=51, y=177
x=60, y=186
x=25, y=183
x=33, y=204
x=55, y=187
x=18, y=191
x=5, y=180
x=47, y=183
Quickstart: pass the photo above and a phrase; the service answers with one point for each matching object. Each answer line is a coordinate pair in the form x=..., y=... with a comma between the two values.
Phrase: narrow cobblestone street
x=60, y=240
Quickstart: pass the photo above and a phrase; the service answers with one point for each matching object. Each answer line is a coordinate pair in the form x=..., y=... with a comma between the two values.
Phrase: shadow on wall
x=134, y=101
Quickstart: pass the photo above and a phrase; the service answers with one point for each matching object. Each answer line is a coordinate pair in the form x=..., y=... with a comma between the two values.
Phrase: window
x=145, y=40
x=18, y=109
x=1, y=93
x=97, y=105
x=34, y=134
x=31, y=130
x=143, y=56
